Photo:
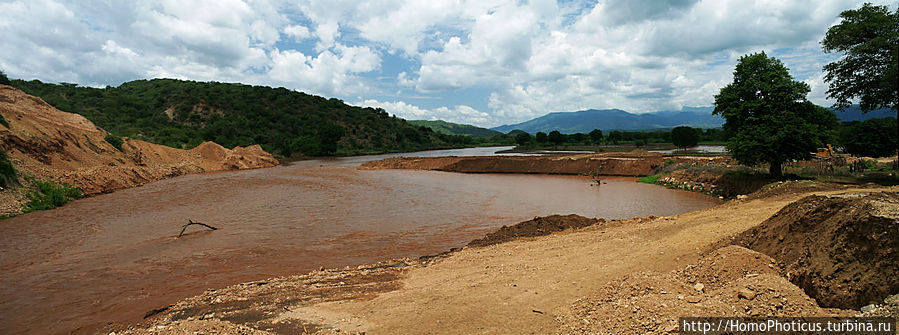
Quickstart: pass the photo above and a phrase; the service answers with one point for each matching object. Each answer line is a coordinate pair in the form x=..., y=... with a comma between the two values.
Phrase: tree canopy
x=596, y=136
x=868, y=38
x=768, y=116
x=555, y=137
x=523, y=138
x=685, y=137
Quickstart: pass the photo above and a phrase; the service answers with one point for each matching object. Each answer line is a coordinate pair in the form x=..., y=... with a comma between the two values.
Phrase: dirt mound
x=843, y=250
x=539, y=226
x=53, y=145
x=609, y=164
x=731, y=281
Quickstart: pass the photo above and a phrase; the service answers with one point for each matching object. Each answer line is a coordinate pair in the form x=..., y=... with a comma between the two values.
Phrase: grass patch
x=650, y=179
x=49, y=195
x=3, y=122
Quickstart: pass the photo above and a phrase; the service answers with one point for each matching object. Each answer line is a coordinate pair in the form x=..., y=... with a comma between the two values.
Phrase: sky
x=481, y=62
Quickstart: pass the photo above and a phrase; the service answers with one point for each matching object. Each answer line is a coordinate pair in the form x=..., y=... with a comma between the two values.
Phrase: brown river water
x=114, y=257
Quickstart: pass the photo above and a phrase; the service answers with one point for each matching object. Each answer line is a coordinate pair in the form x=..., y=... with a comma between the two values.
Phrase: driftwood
x=190, y=222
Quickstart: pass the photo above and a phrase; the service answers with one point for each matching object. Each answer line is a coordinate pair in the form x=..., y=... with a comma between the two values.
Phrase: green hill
x=183, y=114
x=450, y=128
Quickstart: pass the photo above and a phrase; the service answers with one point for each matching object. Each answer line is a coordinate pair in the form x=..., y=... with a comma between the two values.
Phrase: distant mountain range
x=616, y=119
x=449, y=128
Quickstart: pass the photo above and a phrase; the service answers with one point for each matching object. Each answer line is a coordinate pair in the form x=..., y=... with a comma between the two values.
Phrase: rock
x=693, y=299
x=746, y=293
x=868, y=308
x=699, y=287
x=742, y=197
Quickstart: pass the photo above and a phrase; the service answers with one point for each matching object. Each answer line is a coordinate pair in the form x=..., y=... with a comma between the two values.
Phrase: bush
x=49, y=195
x=115, y=141
x=3, y=122
x=650, y=179
x=7, y=171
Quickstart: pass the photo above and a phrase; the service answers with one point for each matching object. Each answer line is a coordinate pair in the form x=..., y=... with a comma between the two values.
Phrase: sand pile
x=843, y=250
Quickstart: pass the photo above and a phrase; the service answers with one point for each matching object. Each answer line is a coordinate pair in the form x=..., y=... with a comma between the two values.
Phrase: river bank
x=632, y=164
x=625, y=276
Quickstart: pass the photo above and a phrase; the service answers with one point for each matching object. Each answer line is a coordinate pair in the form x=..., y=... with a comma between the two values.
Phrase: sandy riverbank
x=628, y=276
x=631, y=164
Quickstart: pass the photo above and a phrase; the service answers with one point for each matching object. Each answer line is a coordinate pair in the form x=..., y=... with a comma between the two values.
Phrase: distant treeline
x=598, y=137
x=183, y=114
x=872, y=137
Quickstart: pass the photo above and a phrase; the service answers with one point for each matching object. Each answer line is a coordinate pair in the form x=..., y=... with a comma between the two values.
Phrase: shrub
x=115, y=141
x=49, y=195
x=7, y=171
x=3, y=122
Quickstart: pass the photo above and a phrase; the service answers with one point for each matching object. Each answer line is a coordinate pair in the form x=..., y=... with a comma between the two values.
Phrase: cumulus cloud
x=106, y=43
x=458, y=114
x=524, y=58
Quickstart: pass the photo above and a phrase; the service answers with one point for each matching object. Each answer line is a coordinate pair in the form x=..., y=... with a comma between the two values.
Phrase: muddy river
x=114, y=257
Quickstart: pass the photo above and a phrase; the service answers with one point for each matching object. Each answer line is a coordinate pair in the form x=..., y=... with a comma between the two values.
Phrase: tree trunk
x=775, y=170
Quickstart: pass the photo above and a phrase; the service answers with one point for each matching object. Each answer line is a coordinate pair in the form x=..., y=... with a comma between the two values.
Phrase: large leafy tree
x=685, y=137
x=768, y=116
x=868, y=38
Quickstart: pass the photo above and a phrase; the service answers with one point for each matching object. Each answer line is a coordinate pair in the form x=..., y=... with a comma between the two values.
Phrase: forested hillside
x=183, y=114
x=450, y=128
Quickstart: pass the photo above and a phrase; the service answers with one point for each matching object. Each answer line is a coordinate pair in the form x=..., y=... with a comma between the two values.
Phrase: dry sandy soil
x=630, y=276
x=50, y=144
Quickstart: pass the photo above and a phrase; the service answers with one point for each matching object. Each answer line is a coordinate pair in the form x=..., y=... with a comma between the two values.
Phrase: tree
x=868, y=71
x=768, y=115
x=556, y=137
x=523, y=139
x=685, y=137
x=3, y=79
x=872, y=137
x=615, y=136
x=596, y=136
x=577, y=137
x=541, y=137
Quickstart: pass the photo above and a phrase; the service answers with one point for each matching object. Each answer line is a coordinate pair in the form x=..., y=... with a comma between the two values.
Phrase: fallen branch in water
x=190, y=222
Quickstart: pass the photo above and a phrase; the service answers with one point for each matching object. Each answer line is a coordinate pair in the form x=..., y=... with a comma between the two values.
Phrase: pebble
x=699, y=287
x=694, y=299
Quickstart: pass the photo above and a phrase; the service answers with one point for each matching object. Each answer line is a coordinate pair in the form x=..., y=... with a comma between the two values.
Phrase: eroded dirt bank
x=631, y=164
x=50, y=144
x=627, y=276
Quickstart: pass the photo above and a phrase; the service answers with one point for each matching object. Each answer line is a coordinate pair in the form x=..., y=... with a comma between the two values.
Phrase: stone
x=693, y=299
x=746, y=293
x=868, y=308
x=699, y=287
